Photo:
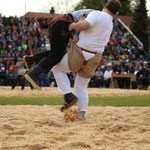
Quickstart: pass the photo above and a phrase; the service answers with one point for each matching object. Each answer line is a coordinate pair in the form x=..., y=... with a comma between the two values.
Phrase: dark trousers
x=107, y=83
x=58, y=40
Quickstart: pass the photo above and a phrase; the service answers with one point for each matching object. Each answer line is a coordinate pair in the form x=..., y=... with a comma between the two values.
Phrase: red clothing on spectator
x=12, y=68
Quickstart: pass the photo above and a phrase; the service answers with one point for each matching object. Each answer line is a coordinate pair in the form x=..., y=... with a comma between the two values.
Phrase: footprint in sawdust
x=34, y=147
x=21, y=132
x=81, y=145
x=7, y=127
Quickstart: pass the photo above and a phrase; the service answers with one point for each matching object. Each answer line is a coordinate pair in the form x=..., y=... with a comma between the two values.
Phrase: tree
x=60, y=6
x=141, y=22
x=91, y=4
x=126, y=8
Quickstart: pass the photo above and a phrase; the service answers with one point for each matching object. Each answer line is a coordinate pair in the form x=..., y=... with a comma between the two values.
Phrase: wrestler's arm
x=79, y=26
x=86, y=24
x=76, y=35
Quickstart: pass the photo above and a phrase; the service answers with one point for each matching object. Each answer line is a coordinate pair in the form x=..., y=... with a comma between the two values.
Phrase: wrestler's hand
x=75, y=38
x=102, y=61
x=82, y=19
x=70, y=28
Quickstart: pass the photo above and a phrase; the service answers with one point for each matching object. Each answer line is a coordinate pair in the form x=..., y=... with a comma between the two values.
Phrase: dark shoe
x=70, y=99
x=31, y=86
x=32, y=77
x=28, y=61
x=34, y=80
x=18, y=79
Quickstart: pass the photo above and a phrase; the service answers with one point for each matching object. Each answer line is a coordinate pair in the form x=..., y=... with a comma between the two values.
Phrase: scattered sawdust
x=104, y=128
x=46, y=128
x=72, y=115
x=53, y=92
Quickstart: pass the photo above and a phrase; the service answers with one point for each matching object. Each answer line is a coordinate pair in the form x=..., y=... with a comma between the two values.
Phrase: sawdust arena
x=44, y=127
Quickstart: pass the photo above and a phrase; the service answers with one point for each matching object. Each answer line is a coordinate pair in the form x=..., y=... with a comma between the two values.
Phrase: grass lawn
x=118, y=101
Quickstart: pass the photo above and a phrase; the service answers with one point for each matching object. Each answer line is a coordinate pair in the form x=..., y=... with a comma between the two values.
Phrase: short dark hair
x=113, y=6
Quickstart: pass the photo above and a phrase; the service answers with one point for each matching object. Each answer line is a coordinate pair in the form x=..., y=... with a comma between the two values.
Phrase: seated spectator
x=2, y=72
x=4, y=53
x=12, y=67
x=10, y=76
x=42, y=78
x=99, y=79
x=143, y=77
x=148, y=55
x=51, y=79
x=140, y=58
x=19, y=63
x=71, y=78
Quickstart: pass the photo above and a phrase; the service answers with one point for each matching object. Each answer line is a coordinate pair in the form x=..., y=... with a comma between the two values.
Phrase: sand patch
x=53, y=92
x=44, y=128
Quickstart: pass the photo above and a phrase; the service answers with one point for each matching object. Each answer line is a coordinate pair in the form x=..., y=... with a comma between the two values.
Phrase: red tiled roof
x=39, y=15
x=127, y=20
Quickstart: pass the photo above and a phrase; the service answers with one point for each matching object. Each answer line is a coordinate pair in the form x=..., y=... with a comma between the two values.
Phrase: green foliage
x=126, y=8
x=117, y=101
x=91, y=4
x=141, y=22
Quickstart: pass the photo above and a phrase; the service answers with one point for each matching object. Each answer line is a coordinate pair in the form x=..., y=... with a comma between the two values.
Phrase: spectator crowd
x=24, y=36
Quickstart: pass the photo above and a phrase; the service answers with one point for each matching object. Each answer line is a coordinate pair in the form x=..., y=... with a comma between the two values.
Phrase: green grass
x=118, y=101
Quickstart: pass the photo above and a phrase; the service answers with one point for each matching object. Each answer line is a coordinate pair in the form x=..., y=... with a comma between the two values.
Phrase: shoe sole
x=22, y=72
x=25, y=62
x=69, y=105
x=32, y=82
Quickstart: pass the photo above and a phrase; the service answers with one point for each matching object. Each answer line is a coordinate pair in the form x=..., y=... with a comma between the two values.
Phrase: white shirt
x=99, y=33
x=108, y=74
x=77, y=15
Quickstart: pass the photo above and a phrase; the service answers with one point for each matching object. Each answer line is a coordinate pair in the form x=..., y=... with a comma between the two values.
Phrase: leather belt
x=88, y=51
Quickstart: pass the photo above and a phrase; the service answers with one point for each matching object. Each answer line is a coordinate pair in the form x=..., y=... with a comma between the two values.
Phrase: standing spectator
x=146, y=72
x=107, y=77
x=139, y=77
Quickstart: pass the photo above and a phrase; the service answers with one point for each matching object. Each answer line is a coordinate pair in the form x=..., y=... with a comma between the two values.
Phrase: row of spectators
x=123, y=46
x=20, y=36
x=102, y=77
x=24, y=36
x=140, y=69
